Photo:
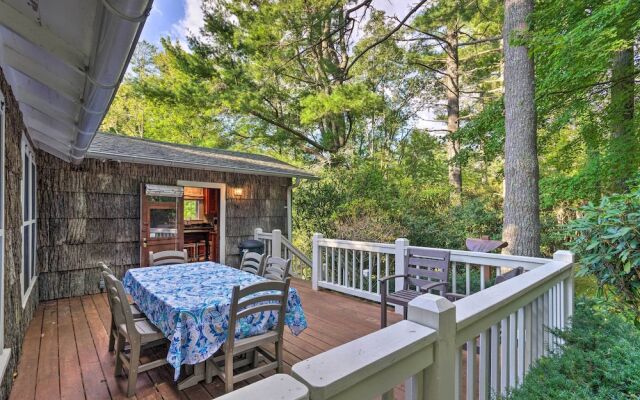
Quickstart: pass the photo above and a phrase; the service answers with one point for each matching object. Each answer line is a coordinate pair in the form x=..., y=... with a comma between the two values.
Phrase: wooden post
x=276, y=243
x=316, y=261
x=438, y=380
x=568, y=257
x=400, y=264
x=256, y=233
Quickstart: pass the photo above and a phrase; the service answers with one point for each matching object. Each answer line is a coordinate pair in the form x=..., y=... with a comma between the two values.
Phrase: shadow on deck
x=65, y=349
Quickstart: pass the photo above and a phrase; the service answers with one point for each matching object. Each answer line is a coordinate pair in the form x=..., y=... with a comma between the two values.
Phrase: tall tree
x=521, y=228
x=459, y=43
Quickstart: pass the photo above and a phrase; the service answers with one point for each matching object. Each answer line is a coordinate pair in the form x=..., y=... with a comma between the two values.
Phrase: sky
x=180, y=18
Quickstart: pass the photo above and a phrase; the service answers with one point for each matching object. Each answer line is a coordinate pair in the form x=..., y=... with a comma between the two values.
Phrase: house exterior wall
x=91, y=213
x=16, y=318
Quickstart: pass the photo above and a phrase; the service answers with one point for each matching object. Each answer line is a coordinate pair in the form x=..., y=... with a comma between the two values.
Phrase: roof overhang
x=64, y=60
x=178, y=164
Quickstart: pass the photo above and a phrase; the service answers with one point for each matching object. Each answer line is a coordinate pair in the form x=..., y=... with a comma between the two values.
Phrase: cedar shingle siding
x=90, y=213
x=16, y=318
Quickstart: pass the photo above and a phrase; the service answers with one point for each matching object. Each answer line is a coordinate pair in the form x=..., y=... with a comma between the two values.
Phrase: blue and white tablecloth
x=190, y=304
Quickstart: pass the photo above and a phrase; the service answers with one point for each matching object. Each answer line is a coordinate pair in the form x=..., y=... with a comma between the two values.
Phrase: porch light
x=237, y=192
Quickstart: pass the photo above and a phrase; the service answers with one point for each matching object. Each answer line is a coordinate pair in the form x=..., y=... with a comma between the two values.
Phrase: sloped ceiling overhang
x=64, y=60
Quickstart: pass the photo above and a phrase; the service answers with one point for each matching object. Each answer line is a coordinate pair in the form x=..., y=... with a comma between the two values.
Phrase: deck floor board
x=65, y=352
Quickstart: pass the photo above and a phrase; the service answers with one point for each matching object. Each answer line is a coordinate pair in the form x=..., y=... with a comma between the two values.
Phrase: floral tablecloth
x=190, y=304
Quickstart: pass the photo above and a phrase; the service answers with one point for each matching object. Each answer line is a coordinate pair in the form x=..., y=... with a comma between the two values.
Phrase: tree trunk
x=521, y=227
x=622, y=148
x=451, y=82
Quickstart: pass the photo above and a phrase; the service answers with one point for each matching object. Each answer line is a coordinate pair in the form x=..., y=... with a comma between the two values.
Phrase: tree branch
x=295, y=132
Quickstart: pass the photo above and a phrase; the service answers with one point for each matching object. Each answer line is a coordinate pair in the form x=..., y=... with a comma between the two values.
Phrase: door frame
x=222, y=219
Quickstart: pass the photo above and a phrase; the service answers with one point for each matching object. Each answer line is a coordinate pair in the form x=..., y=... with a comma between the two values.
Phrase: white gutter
x=120, y=25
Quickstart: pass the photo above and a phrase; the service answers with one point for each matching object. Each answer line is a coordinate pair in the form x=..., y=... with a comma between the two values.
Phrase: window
x=193, y=210
x=29, y=273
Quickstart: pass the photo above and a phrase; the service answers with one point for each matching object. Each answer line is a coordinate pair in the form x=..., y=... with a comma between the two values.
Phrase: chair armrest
x=432, y=285
x=454, y=296
x=386, y=278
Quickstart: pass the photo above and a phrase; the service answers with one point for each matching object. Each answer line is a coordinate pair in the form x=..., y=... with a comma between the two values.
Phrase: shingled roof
x=143, y=151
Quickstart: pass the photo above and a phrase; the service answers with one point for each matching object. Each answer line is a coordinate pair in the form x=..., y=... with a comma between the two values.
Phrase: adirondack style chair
x=252, y=263
x=276, y=268
x=250, y=300
x=425, y=269
x=511, y=274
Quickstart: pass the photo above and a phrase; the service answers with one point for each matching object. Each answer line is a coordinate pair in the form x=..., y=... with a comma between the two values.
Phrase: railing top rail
x=342, y=367
x=492, y=259
x=356, y=245
x=296, y=251
x=480, y=310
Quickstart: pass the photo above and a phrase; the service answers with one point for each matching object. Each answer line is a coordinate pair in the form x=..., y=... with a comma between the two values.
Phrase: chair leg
x=112, y=336
x=405, y=312
x=279, y=352
x=256, y=359
x=228, y=372
x=119, y=346
x=383, y=307
x=134, y=361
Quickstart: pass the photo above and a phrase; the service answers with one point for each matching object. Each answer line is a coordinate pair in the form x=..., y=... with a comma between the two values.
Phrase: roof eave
x=177, y=164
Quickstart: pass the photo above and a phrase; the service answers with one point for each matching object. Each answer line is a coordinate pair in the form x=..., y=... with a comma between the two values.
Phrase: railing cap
x=275, y=387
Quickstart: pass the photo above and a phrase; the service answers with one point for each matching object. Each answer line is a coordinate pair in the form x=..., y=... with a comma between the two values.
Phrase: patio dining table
x=190, y=304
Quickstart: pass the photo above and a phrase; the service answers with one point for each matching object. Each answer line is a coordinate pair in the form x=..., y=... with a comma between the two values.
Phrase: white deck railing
x=474, y=348
x=354, y=268
x=279, y=246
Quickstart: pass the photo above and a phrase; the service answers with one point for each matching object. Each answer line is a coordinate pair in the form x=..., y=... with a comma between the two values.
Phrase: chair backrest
x=105, y=268
x=276, y=268
x=508, y=275
x=252, y=262
x=256, y=299
x=426, y=265
x=168, y=257
x=119, y=303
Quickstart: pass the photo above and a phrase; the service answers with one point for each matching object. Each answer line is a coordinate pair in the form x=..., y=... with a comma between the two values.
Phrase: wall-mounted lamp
x=237, y=192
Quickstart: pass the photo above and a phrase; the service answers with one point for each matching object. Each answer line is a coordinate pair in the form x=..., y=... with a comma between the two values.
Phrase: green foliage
x=607, y=238
x=600, y=360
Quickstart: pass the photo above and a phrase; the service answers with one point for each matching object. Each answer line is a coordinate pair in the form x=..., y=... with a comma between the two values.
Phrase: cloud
x=190, y=24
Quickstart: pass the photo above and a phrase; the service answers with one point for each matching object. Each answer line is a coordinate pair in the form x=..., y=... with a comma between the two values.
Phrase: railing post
x=276, y=243
x=400, y=263
x=438, y=380
x=256, y=233
x=316, y=261
x=568, y=257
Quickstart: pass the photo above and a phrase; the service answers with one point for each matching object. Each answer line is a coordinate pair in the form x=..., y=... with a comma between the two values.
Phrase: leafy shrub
x=607, y=238
x=600, y=360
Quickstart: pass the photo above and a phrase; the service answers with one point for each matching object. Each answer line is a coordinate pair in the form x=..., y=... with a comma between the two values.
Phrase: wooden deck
x=65, y=349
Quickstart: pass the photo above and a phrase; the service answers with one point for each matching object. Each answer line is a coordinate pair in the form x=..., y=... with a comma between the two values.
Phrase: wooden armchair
x=508, y=275
x=276, y=268
x=253, y=299
x=425, y=269
x=252, y=263
x=168, y=257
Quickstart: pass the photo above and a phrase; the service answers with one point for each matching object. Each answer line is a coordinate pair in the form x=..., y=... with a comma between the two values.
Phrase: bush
x=607, y=238
x=600, y=360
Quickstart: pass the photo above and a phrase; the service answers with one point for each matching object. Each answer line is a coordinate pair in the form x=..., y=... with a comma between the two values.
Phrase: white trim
x=223, y=212
x=3, y=362
x=25, y=147
x=289, y=212
x=5, y=356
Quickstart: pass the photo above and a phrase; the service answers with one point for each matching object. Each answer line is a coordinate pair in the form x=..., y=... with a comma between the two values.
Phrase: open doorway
x=186, y=217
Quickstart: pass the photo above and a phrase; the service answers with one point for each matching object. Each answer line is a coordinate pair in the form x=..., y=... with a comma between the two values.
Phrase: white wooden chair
x=135, y=311
x=168, y=257
x=252, y=263
x=137, y=332
x=276, y=268
x=245, y=302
